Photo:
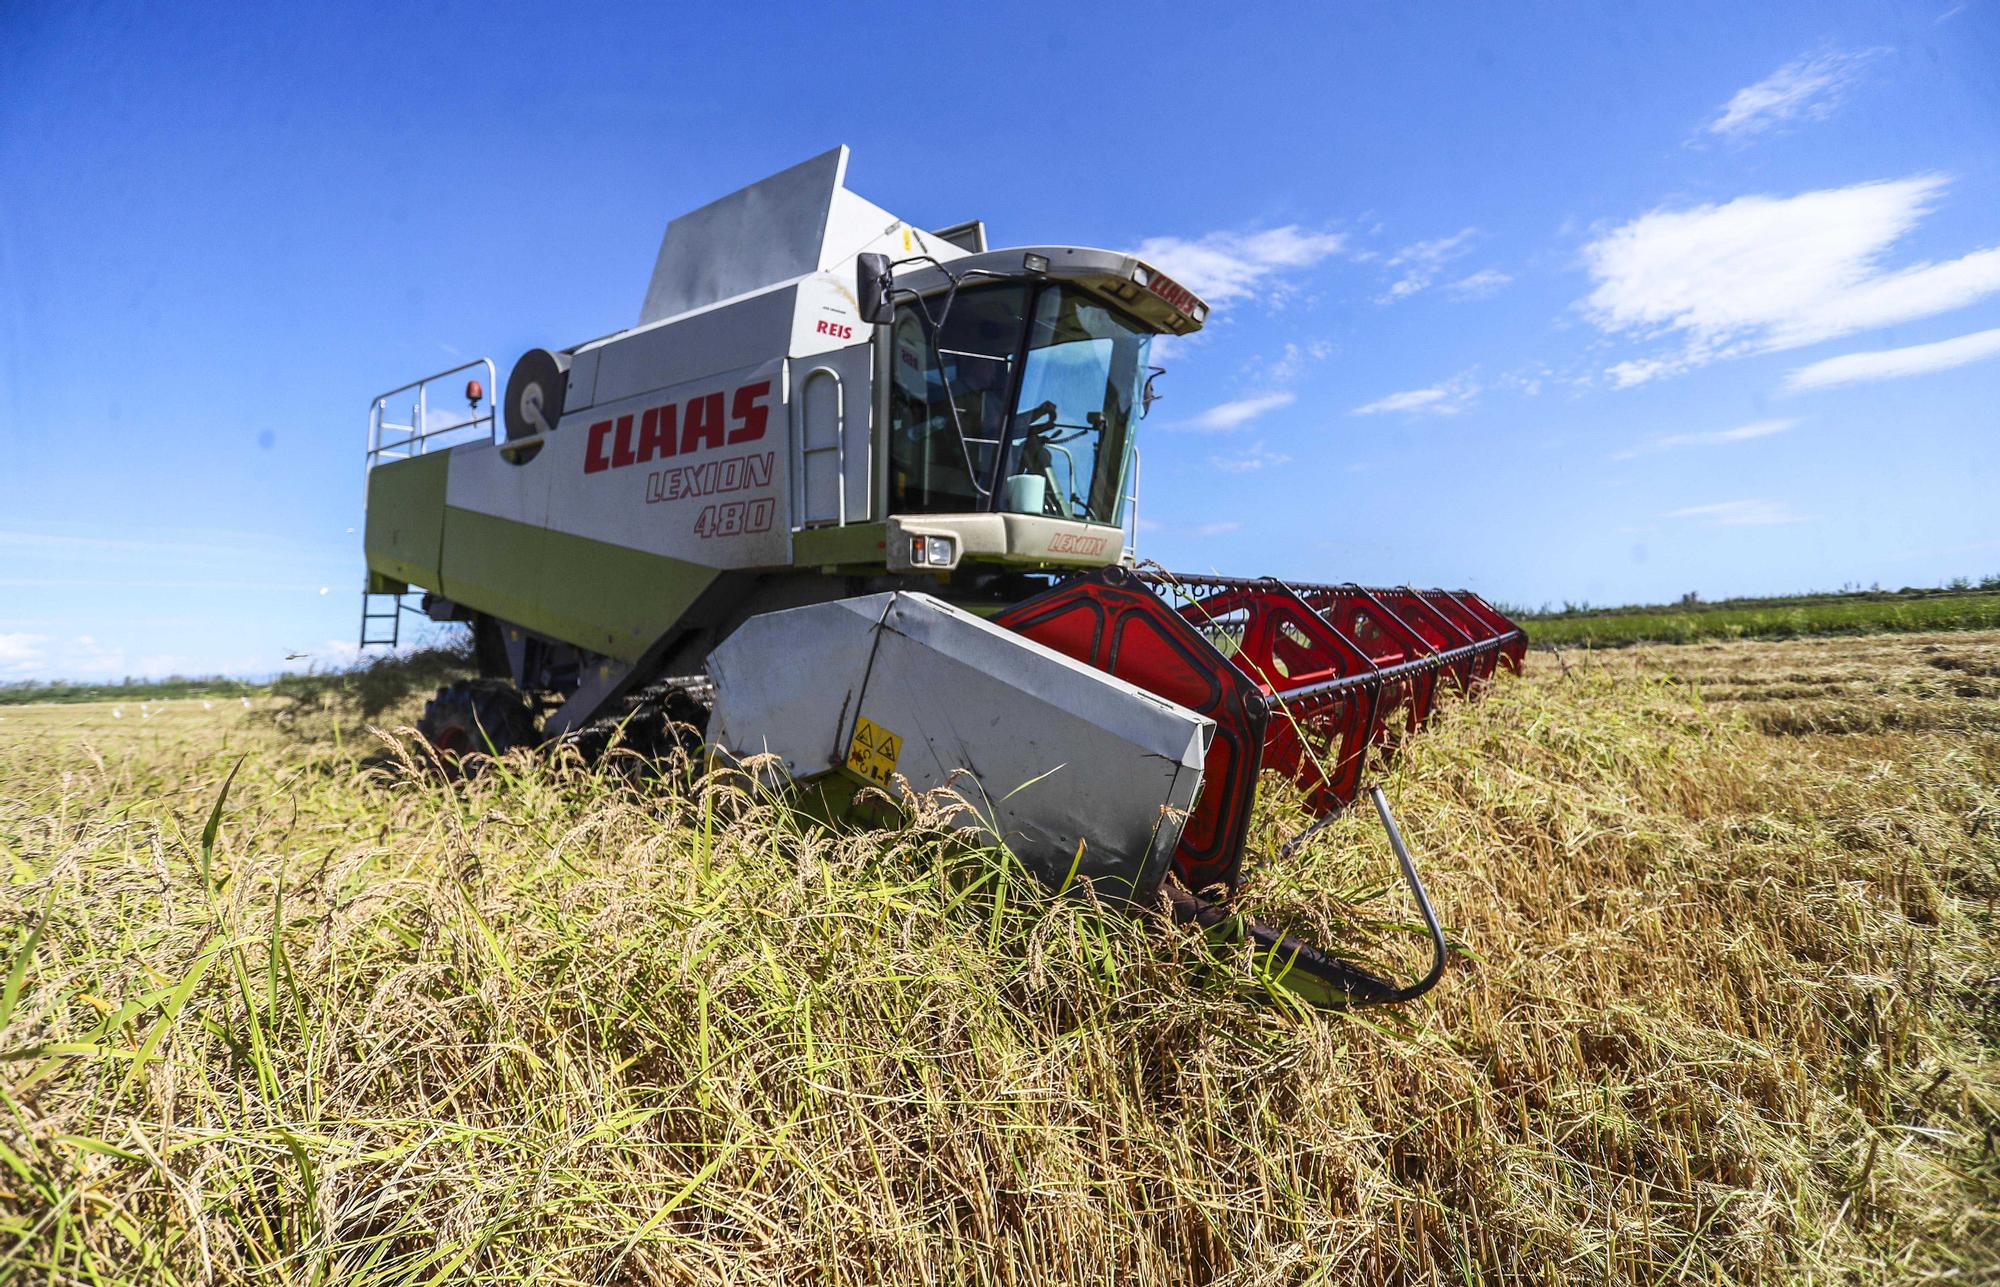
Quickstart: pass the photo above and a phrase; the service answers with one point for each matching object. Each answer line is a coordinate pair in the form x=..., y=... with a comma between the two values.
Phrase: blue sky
x=1557, y=302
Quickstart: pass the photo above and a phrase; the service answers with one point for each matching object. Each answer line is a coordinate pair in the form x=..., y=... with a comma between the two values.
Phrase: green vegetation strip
x=35, y=692
x=1972, y=611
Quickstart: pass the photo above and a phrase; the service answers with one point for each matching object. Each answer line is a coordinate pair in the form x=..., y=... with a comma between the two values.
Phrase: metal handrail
x=1132, y=514
x=839, y=447
x=417, y=433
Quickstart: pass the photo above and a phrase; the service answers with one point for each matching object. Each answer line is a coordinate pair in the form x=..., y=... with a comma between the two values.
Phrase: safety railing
x=395, y=440
x=1131, y=554
x=838, y=447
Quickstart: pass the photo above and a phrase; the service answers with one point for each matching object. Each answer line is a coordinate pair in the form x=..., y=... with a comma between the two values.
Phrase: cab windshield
x=1044, y=381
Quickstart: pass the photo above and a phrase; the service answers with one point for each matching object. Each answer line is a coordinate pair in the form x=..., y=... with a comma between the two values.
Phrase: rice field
x=1726, y=1009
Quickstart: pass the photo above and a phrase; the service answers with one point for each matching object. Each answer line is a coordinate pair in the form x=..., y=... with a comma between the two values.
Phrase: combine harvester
x=860, y=499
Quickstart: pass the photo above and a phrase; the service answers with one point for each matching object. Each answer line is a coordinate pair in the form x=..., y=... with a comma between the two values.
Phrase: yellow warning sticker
x=873, y=751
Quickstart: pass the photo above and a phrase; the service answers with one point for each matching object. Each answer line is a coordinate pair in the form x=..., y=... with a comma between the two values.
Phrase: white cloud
x=1526, y=380
x=1762, y=273
x=1478, y=285
x=1423, y=261
x=1738, y=513
x=1411, y=400
x=1228, y=417
x=1447, y=399
x=16, y=647
x=25, y=656
x=1639, y=370
x=1223, y=267
x=1217, y=529
x=1293, y=362
x=1811, y=86
x=1742, y=433
x=1890, y=364
x=1249, y=461
x=20, y=654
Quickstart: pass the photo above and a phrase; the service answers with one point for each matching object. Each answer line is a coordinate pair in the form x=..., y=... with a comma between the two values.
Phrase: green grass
x=175, y=688
x=1723, y=1012
x=1970, y=610
x=306, y=702
x=368, y=687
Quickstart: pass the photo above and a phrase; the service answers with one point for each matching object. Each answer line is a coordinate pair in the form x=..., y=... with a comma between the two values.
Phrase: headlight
x=932, y=551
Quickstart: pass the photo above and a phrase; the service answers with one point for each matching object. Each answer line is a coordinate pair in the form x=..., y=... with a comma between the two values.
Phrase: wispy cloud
x=1762, y=273
x=21, y=654
x=1433, y=399
x=1738, y=513
x=1447, y=399
x=1808, y=87
x=1890, y=364
x=1421, y=263
x=1639, y=370
x=1526, y=380
x=1227, y=267
x=1478, y=285
x=337, y=652
x=1292, y=361
x=1216, y=529
x=1254, y=458
x=1742, y=433
x=70, y=544
x=1229, y=417
x=31, y=656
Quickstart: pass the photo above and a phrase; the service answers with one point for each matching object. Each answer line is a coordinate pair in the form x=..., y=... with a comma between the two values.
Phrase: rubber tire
x=473, y=720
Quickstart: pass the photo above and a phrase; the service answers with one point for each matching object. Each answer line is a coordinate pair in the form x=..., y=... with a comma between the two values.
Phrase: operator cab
x=1021, y=399
x=1015, y=381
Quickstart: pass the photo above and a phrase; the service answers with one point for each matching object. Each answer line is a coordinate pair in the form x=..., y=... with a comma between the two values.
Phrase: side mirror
x=871, y=287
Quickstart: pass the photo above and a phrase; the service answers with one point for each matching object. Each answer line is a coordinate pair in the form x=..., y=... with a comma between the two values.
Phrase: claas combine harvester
x=857, y=501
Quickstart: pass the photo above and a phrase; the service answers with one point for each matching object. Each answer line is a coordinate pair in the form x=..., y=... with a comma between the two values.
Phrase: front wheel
x=474, y=720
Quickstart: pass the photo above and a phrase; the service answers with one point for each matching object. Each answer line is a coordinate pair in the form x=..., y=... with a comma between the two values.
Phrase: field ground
x=1790, y=618
x=1727, y=1010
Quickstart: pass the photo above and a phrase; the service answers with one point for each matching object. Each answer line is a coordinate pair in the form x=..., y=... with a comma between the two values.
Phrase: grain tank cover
x=796, y=222
x=1049, y=753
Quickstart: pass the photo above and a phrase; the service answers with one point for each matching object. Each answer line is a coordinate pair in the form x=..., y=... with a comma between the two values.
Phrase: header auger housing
x=861, y=498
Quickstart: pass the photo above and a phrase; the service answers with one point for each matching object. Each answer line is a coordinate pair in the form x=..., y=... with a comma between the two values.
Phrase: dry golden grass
x=1728, y=1011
